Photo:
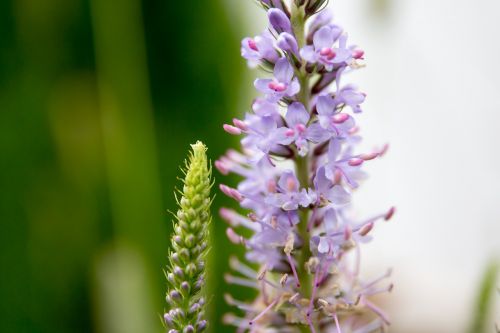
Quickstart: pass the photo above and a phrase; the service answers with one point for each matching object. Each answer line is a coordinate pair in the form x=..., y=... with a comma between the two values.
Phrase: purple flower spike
x=284, y=84
x=323, y=50
x=279, y=21
x=300, y=167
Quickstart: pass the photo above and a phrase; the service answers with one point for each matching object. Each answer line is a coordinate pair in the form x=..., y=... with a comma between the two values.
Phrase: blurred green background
x=99, y=101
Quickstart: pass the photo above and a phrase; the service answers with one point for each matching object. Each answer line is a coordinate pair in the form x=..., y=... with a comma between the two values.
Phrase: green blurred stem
x=484, y=302
x=298, y=19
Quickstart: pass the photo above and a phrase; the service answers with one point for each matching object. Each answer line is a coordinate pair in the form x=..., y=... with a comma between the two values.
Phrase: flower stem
x=302, y=163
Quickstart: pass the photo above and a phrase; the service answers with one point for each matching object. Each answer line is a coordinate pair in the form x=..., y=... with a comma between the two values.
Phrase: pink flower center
x=290, y=184
x=300, y=128
x=252, y=45
x=277, y=86
x=290, y=132
x=358, y=54
x=355, y=161
x=271, y=186
x=327, y=52
x=339, y=118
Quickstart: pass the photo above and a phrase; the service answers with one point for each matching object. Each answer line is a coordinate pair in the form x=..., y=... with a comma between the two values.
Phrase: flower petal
x=323, y=38
x=283, y=71
x=325, y=105
x=308, y=54
x=296, y=114
x=317, y=134
x=262, y=85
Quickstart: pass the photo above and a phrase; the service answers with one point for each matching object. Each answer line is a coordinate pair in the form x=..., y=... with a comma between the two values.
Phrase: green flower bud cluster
x=186, y=271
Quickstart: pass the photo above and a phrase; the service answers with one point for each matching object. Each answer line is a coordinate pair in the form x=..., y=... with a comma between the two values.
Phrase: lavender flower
x=300, y=166
x=259, y=49
x=284, y=84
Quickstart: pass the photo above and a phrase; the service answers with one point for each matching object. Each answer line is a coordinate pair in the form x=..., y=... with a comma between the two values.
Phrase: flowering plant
x=186, y=269
x=300, y=169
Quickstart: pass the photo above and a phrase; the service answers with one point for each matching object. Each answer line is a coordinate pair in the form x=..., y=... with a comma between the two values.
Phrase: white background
x=433, y=89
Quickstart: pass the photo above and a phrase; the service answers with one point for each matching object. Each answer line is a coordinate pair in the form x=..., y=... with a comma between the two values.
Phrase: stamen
x=252, y=45
x=358, y=54
x=339, y=118
x=222, y=167
x=300, y=128
x=234, y=237
x=231, y=129
x=241, y=305
x=241, y=268
x=376, y=310
x=337, y=324
x=365, y=229
x=240, y=281
x=240, y=124
x=390, y=213
x=292, y=265
x=313, y=293
x=291, y=184
x=355, y=161
x=263, y=312
x=369, y=156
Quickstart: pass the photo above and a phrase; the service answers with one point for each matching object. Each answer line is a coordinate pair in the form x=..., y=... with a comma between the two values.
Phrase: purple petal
x=283, y=71
x=338, y=195
x=302, y=146
x=267, y=124
x=279, y=21
x=246, y=51
x=263, y=107
x=323, y=245
x=288, y=43
x=317, y=134
x=325, y=105
x=279, y=136
x=293, y=88
x=323, y=38
x=333, y=150
x=262, y=85
x=266, y=48
x=321, y=183
x=330, y=221
x=288, y=179
x=309, y=54
x=342, y=55
x=324, y=17
x=296, y=114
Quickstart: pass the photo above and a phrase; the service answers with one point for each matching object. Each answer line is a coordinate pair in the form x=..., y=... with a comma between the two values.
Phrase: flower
x=186, y=272
x=323, y=50
x=279, y=21
x=299, y=132
x=258, y=49
x=338, y=124
x=300, y=167
x=284, y=84
x=288, y=195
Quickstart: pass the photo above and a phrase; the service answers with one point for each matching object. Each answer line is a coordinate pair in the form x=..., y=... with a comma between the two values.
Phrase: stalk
x=186, y=275
x=302, y=163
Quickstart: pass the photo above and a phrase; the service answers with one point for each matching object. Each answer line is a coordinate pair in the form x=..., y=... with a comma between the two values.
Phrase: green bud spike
x=186, y=270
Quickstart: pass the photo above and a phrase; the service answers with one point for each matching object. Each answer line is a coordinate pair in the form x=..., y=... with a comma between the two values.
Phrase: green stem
x=302, y=163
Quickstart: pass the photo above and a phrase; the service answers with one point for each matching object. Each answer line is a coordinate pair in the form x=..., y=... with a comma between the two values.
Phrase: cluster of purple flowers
x=299, y=169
